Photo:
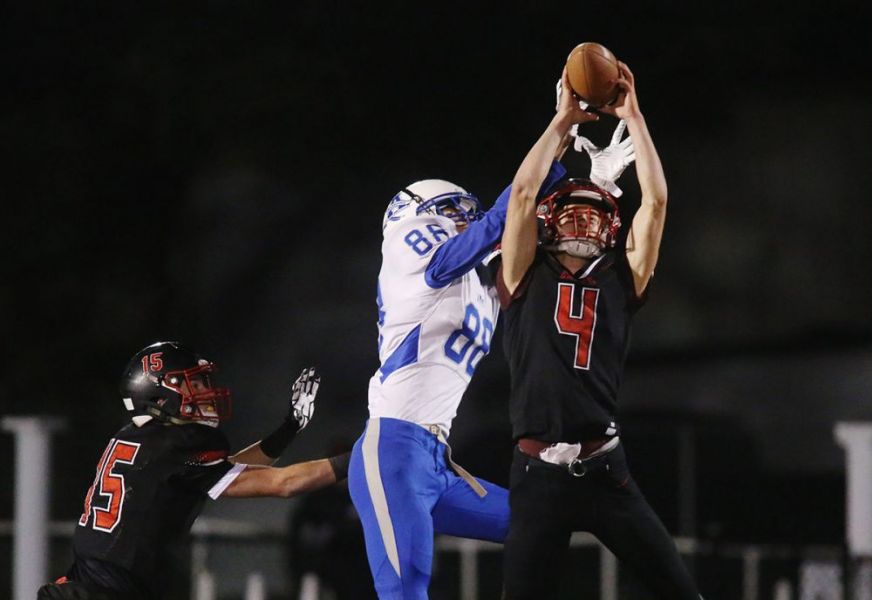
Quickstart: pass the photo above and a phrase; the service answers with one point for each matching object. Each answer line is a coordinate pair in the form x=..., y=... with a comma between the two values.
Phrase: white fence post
x=751, y=573
x=310, y=587
x=856, y=439
x=202, y=579
x=204, y=586
x=468, y=570
x=255, y=586
x=32, y=493
x=608, y=574
x=782, y=590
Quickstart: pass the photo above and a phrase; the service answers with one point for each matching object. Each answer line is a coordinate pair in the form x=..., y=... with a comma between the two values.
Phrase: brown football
x=592, y=70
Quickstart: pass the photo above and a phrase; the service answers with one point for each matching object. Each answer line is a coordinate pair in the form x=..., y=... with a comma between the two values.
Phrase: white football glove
x=607, y=164
x=303, y=394
x=581, y=103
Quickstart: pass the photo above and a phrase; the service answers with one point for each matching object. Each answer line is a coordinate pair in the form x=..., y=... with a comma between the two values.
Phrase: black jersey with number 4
x=151, y=484
x=566, y=337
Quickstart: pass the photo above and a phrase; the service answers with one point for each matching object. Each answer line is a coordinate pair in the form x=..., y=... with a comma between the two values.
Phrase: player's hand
x=627, y=104
x=569, y=105
x=303, y=394
x=559, y=90
x=607, y=164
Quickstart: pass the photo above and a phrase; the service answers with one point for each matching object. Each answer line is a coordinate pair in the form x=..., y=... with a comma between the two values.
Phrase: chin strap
x=576, y=248
x=580, y=248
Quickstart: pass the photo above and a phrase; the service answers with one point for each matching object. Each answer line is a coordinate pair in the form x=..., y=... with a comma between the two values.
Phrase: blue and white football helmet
x=434, y=197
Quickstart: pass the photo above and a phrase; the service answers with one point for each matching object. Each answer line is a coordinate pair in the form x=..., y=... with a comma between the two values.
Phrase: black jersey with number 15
x=151, y=484
x=566, y=337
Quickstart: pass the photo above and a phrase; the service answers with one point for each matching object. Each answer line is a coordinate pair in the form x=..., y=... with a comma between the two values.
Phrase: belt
x=578, y=466
x=461, y=472
x=535, y=447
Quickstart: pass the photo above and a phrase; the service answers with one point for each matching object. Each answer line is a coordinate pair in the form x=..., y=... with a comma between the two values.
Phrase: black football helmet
x=172, y=383
x=579, y=218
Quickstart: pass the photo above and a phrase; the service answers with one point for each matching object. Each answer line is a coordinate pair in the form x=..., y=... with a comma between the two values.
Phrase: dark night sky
x=217, y=173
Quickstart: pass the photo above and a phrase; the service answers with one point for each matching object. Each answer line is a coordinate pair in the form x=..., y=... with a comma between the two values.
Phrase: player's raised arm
x=520, y=234
x=300, y=411
x=646, y=232
x=462, y=253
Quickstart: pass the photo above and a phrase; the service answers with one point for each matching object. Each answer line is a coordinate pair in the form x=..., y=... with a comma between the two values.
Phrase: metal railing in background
x=816, y=572
x=819, y=571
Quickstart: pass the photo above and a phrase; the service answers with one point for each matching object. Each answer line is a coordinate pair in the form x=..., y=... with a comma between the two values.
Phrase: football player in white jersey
x=437, y=312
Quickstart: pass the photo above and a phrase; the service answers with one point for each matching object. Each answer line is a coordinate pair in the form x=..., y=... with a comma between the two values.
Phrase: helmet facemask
x=579, y=219
x=200, y=401
x=463, y=210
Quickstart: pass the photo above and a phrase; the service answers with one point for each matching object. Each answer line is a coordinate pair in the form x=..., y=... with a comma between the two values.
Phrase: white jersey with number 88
x=430, y=339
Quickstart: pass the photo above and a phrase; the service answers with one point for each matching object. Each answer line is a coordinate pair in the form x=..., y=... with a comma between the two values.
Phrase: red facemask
x=200, y=401
x=579, y=218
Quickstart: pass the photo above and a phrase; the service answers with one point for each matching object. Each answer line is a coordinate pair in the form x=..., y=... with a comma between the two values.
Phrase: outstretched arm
x=300, y=411
x=462, y=253
x=285, y=482
x=520, y=235
x=646, y=232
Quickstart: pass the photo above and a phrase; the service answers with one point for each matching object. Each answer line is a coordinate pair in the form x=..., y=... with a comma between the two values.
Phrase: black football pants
x=548, y=504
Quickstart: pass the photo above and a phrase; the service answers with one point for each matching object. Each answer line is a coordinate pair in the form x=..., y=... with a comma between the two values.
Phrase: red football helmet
x=579, y=218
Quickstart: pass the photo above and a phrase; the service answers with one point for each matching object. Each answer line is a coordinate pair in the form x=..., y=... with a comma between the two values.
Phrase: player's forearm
x=268, y=450
x=530, y=175
x=646, y=233
x=306, y=477
x=314, y=475
x=649, y=170
x=520, y=235
x=463, y=252
x=519, y=242
x=564, y=145
x=284, y=482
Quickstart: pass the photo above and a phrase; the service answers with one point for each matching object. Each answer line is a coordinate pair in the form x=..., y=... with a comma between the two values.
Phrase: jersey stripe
x=405, y=354
x=229, y=477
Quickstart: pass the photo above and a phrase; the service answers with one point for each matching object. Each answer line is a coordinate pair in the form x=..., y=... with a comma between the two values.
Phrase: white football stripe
x=377, y=492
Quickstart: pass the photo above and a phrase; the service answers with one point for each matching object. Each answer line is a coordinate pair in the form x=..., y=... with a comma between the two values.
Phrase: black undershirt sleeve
x=340, y=465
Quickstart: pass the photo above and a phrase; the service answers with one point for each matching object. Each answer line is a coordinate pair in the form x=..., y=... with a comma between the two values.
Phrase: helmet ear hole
x=548, y=234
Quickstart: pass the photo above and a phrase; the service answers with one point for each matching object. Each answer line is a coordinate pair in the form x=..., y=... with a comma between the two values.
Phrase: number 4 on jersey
x=578, y=323
x=109, y=485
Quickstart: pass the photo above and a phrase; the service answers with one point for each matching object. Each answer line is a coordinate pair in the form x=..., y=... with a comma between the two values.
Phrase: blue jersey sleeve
x=463, y=252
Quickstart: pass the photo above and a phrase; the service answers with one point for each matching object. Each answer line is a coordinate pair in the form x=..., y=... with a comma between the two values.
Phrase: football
x=592, y=71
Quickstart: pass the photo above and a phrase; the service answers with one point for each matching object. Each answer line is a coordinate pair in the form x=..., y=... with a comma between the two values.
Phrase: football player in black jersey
x=155, y=474
x=568, y=296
